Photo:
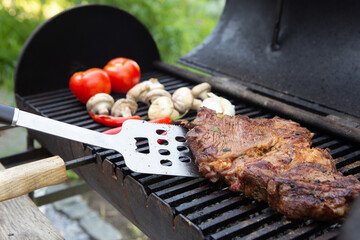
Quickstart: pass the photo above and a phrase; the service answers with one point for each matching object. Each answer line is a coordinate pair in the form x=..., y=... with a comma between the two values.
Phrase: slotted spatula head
x=157, y=149
x=146, y=147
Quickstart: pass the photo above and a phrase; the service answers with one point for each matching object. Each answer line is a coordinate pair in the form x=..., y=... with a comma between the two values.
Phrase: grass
x=176, y=26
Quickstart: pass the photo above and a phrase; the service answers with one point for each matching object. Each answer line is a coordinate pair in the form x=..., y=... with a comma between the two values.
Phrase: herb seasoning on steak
x=271, y=160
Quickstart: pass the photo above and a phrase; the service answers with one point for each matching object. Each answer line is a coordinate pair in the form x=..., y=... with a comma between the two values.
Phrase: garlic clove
x=227, y=107
x=212, y=103
x=219, y=104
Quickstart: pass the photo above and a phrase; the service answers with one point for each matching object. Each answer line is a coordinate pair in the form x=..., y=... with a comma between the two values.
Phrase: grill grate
x=219, y=213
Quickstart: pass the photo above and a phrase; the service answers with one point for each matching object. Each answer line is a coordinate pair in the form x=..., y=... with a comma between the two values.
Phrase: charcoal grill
x=294, y=59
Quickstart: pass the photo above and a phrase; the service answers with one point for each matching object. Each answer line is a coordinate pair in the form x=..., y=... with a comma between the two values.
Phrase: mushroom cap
x=154, y=84
x=100, y=103
x=152, y=95
x=183, y=99
x=139, y=89
x=161, y=107
x=174, y=114
x=124, y=107
x=201, y=89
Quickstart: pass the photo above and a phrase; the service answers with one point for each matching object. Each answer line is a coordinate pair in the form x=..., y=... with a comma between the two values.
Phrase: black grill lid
x=304, y=48
x=77, y=39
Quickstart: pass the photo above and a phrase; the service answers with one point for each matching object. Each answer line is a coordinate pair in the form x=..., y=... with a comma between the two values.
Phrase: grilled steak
x=271, y=160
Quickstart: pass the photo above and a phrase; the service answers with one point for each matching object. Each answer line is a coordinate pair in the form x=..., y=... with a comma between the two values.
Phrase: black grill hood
x=302, y=49
x=186, y=208
x=79, y=38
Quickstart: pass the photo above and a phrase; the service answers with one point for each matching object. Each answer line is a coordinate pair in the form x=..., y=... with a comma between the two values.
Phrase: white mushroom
x=174, y=114
x=196, y=104
x=161, y=107
x=100, y=103
x=201, y=90
x=152, y=95
x=139, y=91
x=219, y=104
x=155, y=84
x=183, y=99
x=124, y=108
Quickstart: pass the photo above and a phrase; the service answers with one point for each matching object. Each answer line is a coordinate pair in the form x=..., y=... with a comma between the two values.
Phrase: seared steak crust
x=271, y=160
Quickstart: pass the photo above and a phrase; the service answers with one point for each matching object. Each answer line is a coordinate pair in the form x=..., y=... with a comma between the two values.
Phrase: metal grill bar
x=213, y=209
x=221, y=222
x=217, y=212
x=305, y=231
x=244, y=227
x=164, y=184
x=206, y=200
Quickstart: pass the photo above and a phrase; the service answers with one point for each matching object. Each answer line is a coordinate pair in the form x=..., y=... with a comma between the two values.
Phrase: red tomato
x=124, y=73
x=86, y=84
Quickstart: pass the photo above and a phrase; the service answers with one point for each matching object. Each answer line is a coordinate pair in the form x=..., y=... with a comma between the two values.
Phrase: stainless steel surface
x=64, y=130
x=15, y=117
x=167, y=154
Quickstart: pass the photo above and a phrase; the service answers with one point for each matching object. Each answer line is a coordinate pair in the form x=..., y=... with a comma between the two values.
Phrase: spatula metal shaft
x=64, y=130
x=167, y=153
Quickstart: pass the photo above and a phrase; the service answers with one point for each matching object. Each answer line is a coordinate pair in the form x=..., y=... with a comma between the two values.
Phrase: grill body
x=278, y=47
x=166, y=207
x=77, y=39
x=179, y=207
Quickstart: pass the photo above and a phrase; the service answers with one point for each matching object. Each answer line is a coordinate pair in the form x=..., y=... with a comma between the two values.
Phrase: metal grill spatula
x=167, y=154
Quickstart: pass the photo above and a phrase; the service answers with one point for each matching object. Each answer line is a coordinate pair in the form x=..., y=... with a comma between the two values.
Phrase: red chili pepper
x=110, y=120
x=162, y=120
x=113, y=131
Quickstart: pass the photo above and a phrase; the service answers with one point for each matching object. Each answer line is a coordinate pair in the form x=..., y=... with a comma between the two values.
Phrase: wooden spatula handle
x=26, y=178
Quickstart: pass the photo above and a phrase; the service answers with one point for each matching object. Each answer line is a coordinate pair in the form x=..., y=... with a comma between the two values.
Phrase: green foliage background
x=176, y=25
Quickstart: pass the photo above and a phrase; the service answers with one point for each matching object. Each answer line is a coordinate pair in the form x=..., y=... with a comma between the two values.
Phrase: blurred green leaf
x=176, y=26
x=71, y=175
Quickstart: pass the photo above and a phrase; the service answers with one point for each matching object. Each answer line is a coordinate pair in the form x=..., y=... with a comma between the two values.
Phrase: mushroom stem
x=126, y=112
x=196, y=104
x=103, y=110
x=100, y=104
x=139, y=91
x=124, y=108
x=154, y=94
x=201, y=90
